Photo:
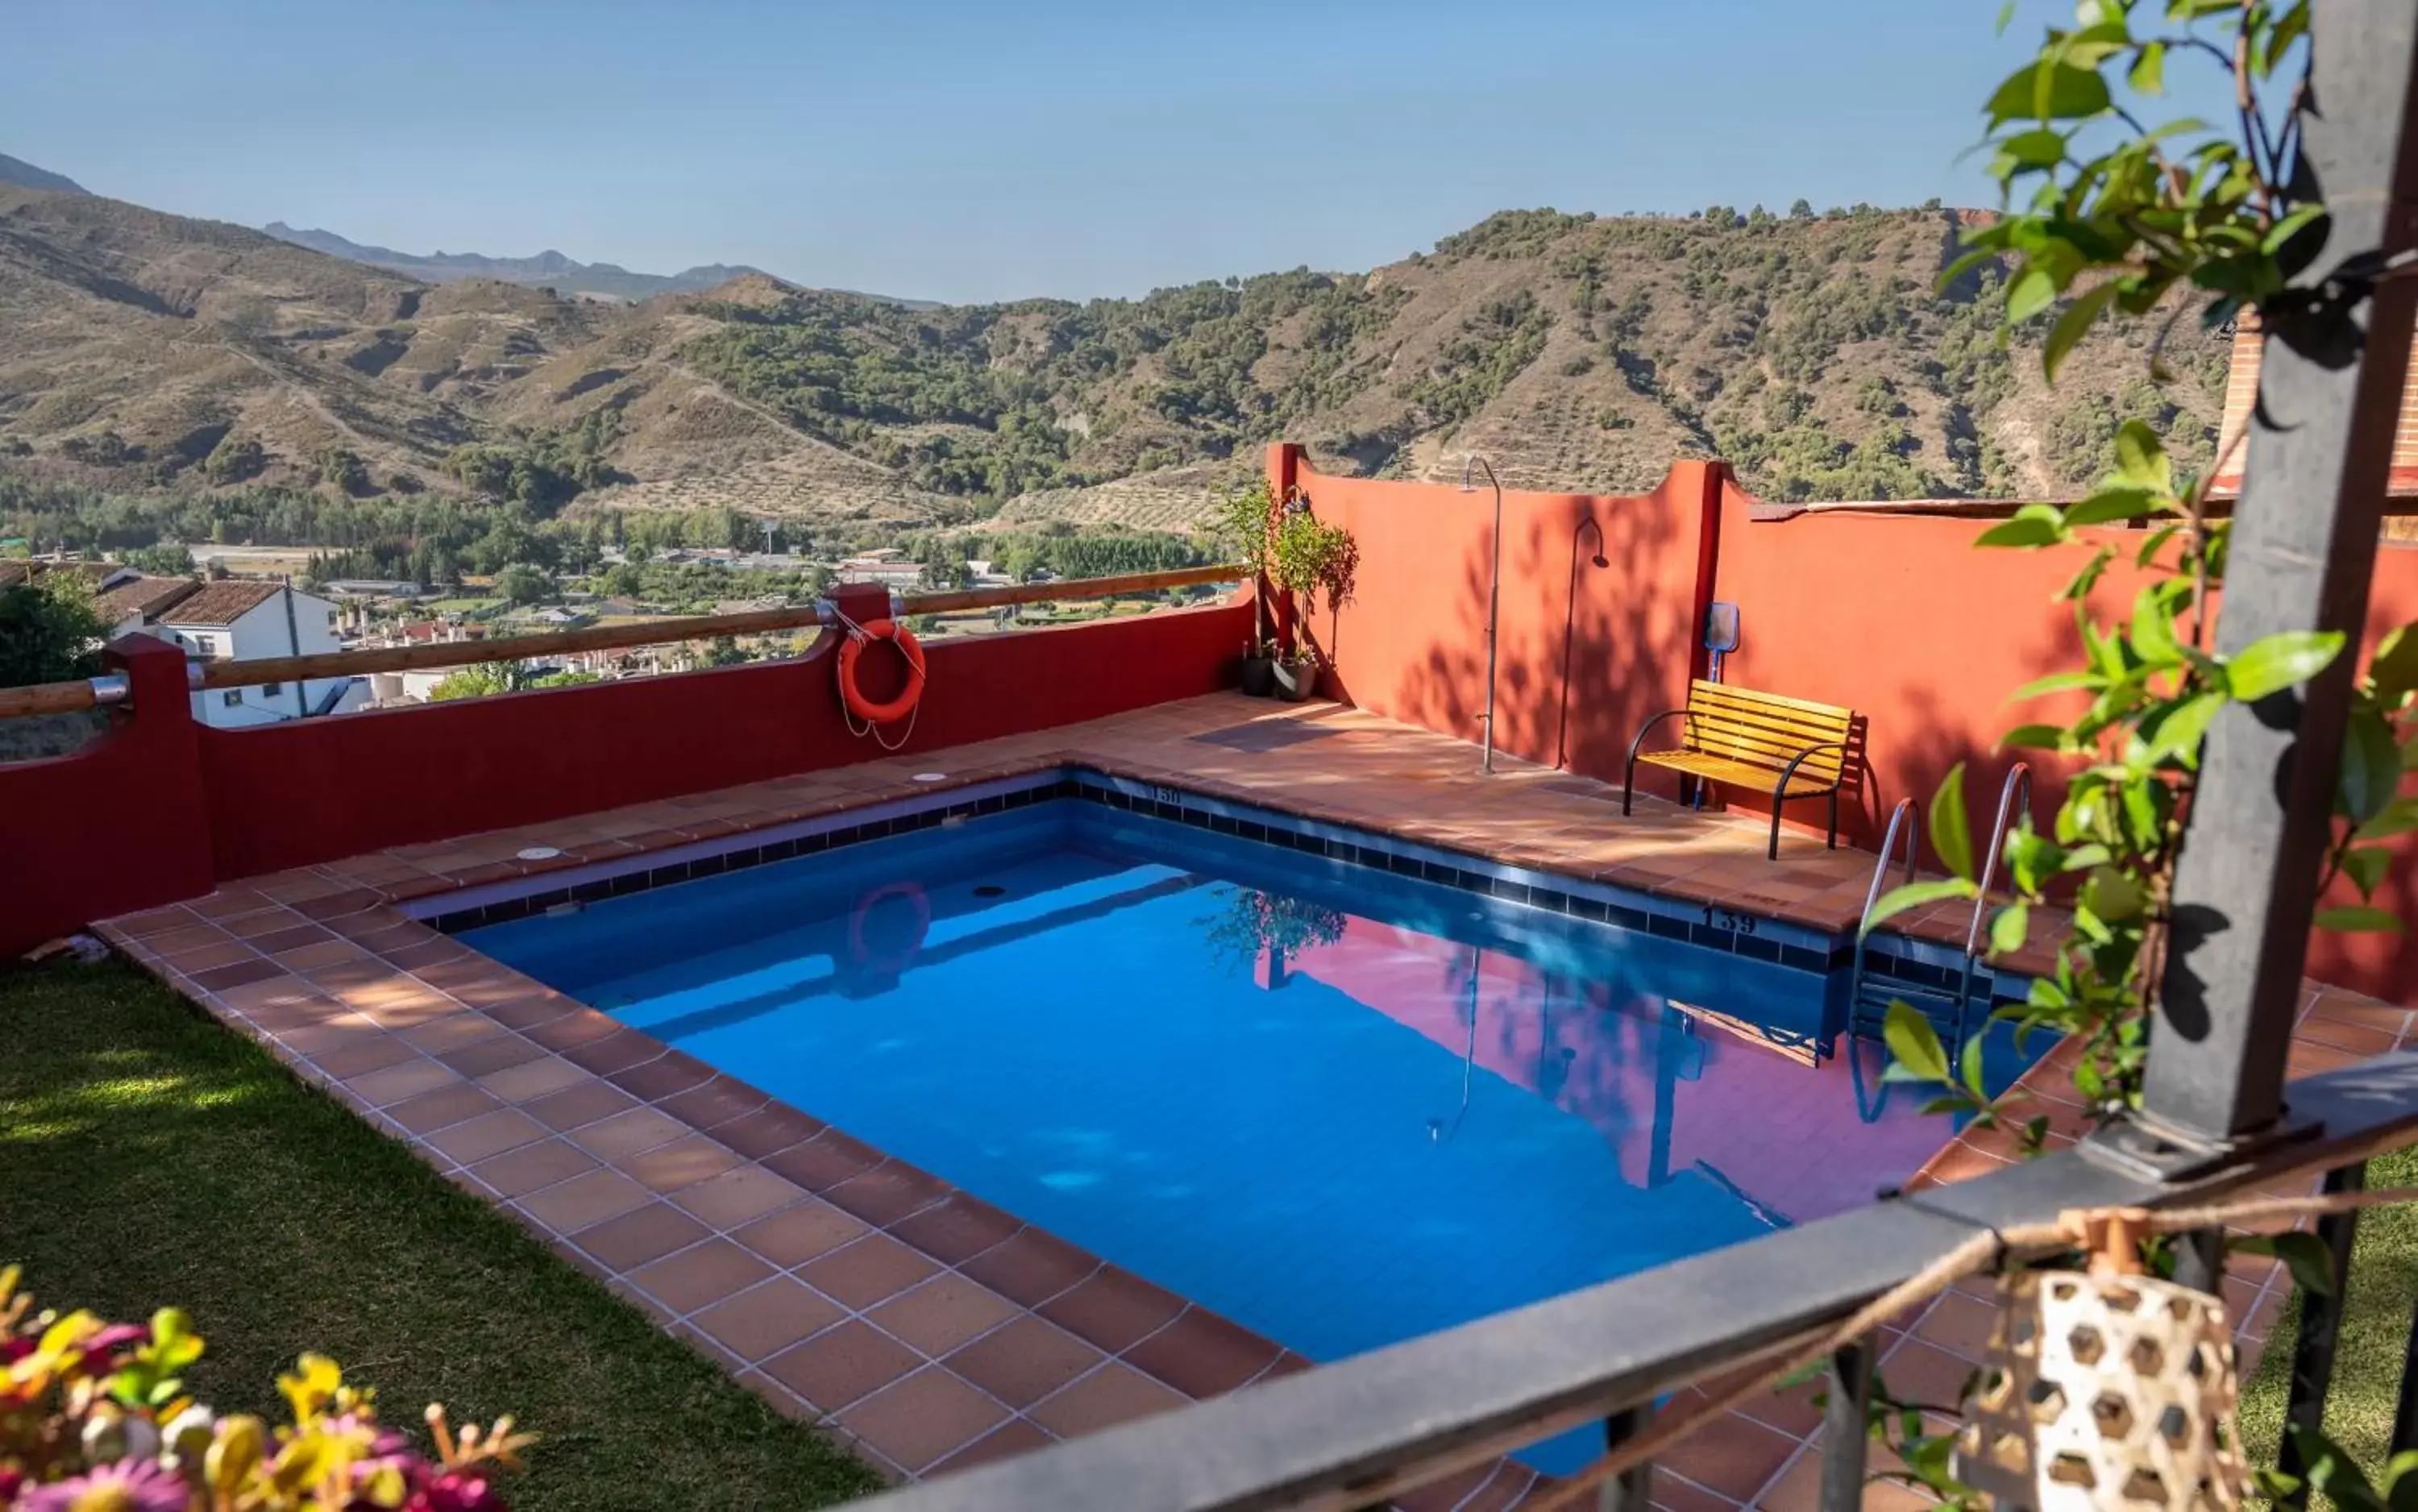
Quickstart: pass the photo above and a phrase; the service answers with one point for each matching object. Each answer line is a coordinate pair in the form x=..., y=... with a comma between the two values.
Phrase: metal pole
x=2321, y=1313
x=2303, y=546
x=1632, y=1490
x=294, y=644
x=1494, y=595
x=1846, y=1428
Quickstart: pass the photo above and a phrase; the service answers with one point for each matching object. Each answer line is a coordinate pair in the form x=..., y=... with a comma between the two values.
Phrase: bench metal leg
x=1629, y=783
x=1772, y=853
x=1830, y=842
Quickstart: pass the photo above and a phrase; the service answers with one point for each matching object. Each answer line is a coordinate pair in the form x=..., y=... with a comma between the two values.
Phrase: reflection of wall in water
x=1786, y=1134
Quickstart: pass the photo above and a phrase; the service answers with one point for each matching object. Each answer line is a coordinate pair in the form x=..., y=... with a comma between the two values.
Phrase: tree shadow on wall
x=1594, y=639
x=1909, y=752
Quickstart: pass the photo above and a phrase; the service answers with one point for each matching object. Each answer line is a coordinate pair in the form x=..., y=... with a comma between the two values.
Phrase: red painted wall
x=122, y=824
x=166, y=807
x=287, y=794
x=1618, y=638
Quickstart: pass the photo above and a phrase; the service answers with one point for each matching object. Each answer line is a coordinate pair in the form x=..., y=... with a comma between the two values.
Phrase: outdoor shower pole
x=1494, y=595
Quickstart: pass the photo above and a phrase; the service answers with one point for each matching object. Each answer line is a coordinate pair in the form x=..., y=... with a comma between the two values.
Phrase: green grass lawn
x=150, y=1157
x=2376, y=1328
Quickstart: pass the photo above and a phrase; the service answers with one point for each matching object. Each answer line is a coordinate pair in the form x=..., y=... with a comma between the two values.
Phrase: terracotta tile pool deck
x=853, y=1290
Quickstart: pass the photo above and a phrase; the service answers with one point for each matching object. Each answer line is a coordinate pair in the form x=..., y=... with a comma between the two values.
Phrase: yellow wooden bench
x=1795, y=748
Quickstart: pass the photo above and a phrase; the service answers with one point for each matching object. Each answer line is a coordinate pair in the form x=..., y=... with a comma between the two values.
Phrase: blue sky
x=954, y=150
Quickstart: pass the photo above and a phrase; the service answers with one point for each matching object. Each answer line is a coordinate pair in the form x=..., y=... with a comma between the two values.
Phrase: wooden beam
x=47, y=699
x=2303, y=550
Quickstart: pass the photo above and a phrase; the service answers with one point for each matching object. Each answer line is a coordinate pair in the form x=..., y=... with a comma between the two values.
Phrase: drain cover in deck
x=1267, y=734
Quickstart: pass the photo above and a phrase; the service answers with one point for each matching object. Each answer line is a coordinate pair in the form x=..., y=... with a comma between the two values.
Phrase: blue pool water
x=1338, y=1106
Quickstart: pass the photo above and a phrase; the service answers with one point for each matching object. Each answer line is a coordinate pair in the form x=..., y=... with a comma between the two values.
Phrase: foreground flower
x=455, y=1492
x=94, y=1418
x=128, y=1485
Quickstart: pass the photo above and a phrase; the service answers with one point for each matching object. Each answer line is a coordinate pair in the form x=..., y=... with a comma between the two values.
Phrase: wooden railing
x=66, y=698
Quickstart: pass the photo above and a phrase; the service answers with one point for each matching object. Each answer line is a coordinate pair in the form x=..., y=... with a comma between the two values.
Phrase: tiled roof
x=222, y=604
x=17, y=571
x=145, y=597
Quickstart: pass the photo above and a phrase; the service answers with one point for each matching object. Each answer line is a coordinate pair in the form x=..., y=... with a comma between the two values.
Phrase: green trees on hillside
x=236, y=459
x=541, y=470
x=1512, y=234
x=982, y=399
x=1695, y=315
x=1495, y=346
x=344, y=470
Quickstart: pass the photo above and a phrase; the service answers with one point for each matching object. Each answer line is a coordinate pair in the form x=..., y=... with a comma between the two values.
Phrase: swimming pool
x=1338, y=1106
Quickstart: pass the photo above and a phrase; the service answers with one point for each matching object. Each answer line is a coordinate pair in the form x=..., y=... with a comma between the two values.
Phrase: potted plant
x=1308, y=558
x=1296, y=673
x=1259, y=667
x=1240, y=530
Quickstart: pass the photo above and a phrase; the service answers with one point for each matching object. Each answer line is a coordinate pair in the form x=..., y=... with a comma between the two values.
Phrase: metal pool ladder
x=1872, y=988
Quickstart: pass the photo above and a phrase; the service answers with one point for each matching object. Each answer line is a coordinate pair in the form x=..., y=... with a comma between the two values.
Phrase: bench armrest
x=1647, y=729
x=1799, y=760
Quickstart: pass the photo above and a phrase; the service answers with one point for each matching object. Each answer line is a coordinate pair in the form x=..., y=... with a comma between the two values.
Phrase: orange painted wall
x=1899, y=617
x=1411, y=644
x=1905, y=621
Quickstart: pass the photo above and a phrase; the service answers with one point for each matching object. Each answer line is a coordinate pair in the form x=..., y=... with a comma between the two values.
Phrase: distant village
x=252, y=602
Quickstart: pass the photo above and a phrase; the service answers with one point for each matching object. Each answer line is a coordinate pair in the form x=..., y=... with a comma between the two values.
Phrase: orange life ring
x=861, y=950
x=858, y=704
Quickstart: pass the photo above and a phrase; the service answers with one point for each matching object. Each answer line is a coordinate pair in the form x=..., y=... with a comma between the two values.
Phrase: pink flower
x=117, y=1335
x=455, y=1492
x=128, y=1485
x=94, y=1351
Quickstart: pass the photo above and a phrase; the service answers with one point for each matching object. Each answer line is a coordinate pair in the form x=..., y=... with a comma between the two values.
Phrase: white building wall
x=260, y=633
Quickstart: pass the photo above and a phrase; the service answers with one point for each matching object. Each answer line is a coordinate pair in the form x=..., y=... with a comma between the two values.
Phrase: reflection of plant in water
x=1255, y=921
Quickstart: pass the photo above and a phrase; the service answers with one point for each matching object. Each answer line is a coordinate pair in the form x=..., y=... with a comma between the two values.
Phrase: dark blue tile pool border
x=1739, y=932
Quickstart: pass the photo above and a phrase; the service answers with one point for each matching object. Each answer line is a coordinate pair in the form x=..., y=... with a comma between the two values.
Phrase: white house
x=250, y=621
x=131, y=601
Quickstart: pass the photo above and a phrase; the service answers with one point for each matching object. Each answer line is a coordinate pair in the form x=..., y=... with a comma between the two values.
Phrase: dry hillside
x=143, y=351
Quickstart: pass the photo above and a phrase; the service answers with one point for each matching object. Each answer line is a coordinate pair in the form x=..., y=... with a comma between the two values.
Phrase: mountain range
x=143, y=351
x=25, y=176
x=548, y=269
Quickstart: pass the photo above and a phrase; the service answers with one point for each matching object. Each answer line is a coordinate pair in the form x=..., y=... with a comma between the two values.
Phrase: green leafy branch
x=2182, y=208
x=2183, y=203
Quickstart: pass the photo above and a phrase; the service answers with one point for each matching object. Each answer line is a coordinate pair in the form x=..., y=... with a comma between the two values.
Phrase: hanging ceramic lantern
x=2109, y=1389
